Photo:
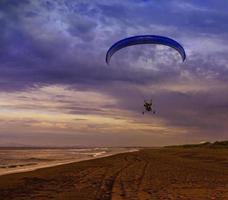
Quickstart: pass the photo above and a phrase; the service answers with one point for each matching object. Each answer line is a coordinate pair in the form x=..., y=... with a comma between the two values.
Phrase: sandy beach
x=165, y=173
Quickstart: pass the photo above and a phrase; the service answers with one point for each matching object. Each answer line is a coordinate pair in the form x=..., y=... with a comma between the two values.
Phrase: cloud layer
x=61, y=45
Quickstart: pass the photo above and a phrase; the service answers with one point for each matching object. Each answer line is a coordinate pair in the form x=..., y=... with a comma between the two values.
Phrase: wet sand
x=165, y=173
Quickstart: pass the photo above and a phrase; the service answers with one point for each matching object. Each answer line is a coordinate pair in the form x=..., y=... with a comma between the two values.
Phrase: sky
x=57, y=90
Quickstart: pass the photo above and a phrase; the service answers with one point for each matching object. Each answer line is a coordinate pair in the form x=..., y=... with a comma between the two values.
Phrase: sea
x=16, y=160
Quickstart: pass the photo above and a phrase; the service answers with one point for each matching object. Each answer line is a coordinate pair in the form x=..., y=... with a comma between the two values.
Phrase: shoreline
x=58, y=163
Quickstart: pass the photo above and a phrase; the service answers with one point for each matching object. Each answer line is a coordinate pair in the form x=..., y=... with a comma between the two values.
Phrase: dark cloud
x=40, y=51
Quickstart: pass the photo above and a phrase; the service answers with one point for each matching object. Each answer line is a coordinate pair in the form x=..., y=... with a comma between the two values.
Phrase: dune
x=161, y=173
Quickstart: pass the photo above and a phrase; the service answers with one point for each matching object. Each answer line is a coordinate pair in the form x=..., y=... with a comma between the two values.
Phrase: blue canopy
x=145, y=39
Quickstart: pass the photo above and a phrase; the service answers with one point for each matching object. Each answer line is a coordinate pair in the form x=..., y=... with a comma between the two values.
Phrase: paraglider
x=148, y=107
x=145, y=39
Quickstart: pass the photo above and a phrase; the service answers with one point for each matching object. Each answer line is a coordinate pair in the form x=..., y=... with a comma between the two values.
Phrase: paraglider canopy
x=145, y=39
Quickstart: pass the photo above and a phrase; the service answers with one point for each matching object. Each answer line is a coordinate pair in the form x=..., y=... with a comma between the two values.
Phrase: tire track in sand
x=141, y=194
x=132, y=187
x=105, y=190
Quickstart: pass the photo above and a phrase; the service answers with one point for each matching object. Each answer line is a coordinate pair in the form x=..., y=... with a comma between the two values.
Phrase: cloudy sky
x=56, y=89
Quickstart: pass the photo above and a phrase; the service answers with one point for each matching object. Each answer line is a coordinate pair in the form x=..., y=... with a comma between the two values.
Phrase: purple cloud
x=64, y=43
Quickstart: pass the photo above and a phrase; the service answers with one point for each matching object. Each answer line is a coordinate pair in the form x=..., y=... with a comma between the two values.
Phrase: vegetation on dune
x=217, y=144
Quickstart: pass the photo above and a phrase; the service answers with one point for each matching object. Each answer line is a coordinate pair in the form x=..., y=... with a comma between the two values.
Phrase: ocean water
x=14, y=160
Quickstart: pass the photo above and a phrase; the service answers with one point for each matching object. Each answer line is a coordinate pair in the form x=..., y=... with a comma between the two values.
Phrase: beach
x=162, y=173
x=15, y=160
